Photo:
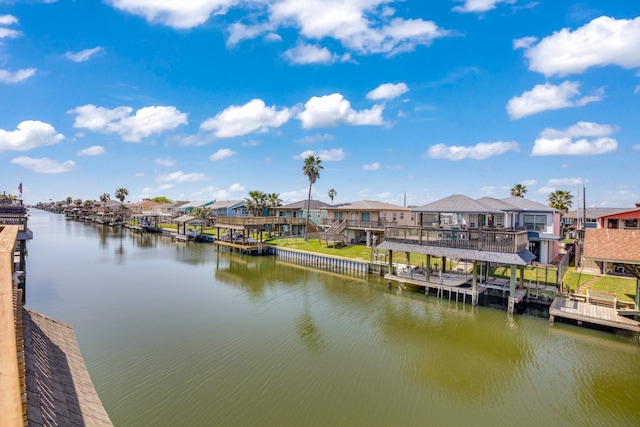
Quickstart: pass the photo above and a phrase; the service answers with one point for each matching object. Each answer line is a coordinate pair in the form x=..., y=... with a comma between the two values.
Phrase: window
x=401, y=215
x=394, y=216
x=631, y=223
x=535, y=222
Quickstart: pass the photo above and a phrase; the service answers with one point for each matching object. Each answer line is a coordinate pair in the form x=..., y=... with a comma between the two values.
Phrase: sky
x=402, y=100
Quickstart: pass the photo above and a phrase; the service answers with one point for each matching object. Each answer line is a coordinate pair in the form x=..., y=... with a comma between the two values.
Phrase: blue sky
x=211, y=99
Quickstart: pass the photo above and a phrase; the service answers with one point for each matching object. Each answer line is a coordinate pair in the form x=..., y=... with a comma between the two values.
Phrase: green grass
x=542, y=275
x=623, y=287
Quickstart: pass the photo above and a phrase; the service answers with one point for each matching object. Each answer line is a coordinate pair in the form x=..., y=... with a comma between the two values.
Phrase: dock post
x=474, y=283
x=551, y=319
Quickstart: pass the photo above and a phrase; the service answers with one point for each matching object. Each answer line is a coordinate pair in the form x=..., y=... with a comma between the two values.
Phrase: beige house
x=364, y=221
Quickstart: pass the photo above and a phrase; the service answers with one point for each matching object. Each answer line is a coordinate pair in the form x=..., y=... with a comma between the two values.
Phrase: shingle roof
x=221, y=204
x=594, y=212
x=302, y=204
x=367, y=205
x=457, y=203
x=612, y=245
x=523, y=204
x=59, y=389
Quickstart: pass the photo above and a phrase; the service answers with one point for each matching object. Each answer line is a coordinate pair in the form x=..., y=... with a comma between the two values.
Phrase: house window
x=631, y=223
x=535, y=222
x=499, y=220
x=383, y=215
x=394, y=216
x=401, y=215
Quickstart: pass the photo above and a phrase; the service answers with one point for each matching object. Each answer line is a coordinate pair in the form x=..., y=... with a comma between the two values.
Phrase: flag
x=20, y=188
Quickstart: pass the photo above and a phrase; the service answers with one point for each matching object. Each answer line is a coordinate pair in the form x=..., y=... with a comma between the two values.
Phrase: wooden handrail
x=10, y=396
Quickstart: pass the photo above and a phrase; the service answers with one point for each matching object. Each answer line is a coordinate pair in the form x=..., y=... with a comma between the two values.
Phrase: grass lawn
x=542, y=275
x=623, y=287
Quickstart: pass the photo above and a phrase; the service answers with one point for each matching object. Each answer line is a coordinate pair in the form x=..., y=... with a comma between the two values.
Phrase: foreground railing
x=11, y=409
x=510, y=241
x=259, y=220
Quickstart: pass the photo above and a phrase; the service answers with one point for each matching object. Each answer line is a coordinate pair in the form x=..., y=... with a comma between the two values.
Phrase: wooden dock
x=250, y=248
x=452, y=288
x=590, y=313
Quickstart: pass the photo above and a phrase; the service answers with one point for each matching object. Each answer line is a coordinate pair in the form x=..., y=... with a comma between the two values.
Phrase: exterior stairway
x=334, y=236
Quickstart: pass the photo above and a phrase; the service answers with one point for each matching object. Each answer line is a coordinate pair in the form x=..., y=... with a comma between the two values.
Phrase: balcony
x=496, y=240
x=364, y=225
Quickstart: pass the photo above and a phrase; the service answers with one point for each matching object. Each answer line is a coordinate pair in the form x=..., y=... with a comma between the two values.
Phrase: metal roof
x=522, y=257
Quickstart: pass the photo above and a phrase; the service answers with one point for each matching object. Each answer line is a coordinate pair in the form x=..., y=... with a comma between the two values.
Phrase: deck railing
x=11, y=408
x=497, y=240
x=260, y=220
x=355, y=223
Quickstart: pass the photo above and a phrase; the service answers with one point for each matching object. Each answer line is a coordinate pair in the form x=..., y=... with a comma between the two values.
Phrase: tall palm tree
x=518, y=190
x=332, y=193
x=121, y=194
x=69, y=200
x=104, y=198
x=561, y=200
x=311, y=169
x=78, y=203
x=256, y=202
x=273, y=200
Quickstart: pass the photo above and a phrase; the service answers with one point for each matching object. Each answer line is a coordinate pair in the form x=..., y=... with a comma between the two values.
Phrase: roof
x=189, y=219
x=172, y=205
x=197, y=204
x=221, y=204
x=594, y=212
x=302, y=204
x=367, y=205
x=612, y=245
x=59, y=389
x=622, y=213
x=458, y=203
x=146, y=204
x=522, y=257
x=522, y=204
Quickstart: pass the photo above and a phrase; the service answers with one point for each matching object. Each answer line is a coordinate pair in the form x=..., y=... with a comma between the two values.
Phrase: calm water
x=177, y=334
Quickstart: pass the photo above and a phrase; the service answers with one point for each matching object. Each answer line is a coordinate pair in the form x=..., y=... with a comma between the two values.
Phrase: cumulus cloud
x=478, y=6
x=44, y=165
x=8, y=33
x=548, y=96
x=479, y=151
x=603, y=41
x=333, y=110
x=132, y=128
x=332, y=155
x=221, y=154
x=8, y=20
x=238, y=120
x=388, y=91
x=94, y=150
x=179, y=177
x=593, y=139
x=83, y=55
x=28, y=135
x=168, y=161
x=559, y=182
x=371, y=167
x=303, y=54
x=17, y=76
x=187, y=14
x=313, y=139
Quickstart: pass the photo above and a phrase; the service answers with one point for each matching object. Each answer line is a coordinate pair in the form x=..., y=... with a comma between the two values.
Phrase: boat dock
x=453, y=286
x=582, y=311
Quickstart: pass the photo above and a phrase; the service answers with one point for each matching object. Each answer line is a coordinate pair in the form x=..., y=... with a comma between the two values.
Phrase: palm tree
x=256, y=203
x=121, y=194
x=332, y=193
x=273, y=200
x=518, y=190
x=561, y=200
x=104, y=199
x=78, y=203
x=88, y=203
x=311, y=169
x=69, y=200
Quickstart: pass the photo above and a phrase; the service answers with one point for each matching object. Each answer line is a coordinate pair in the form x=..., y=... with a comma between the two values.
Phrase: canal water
x=183, y=334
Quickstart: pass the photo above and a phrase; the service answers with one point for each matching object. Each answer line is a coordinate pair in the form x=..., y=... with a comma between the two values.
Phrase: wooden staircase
x=334, y=236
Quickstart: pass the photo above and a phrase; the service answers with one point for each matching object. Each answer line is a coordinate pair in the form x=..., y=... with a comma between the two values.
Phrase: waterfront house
x=317, y=211
x=364, y=221
x=144, y=207
x=225, y=207
x=460, y=212
x=188, y=208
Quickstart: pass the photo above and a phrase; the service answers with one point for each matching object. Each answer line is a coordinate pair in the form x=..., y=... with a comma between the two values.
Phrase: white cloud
x=29, y=134
x=179, y=177
x=636, y=147
x=8, y=20
x=546, y=190
x=363, y=27
x=388, y=91
x=603, y=41
x=235, y=188
x=239, y=31
x=221, y=154
x=149, y=192
x=560, y=182
x=176, y=14
x=44, y=165
x=16, y=77
x=546, y=97
x=371, y=167
x=553, y=142
x=478, y=6
x=132, y=128
x=333, y=110
x=303, y=54
x=94, y=150
x=83, y=55
x=529, y=182
x=168, y=161
x=332, y=155
x=250, y=143
x=238, y=120
x=225, y=194
x=524, y=42
x=479, y=151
